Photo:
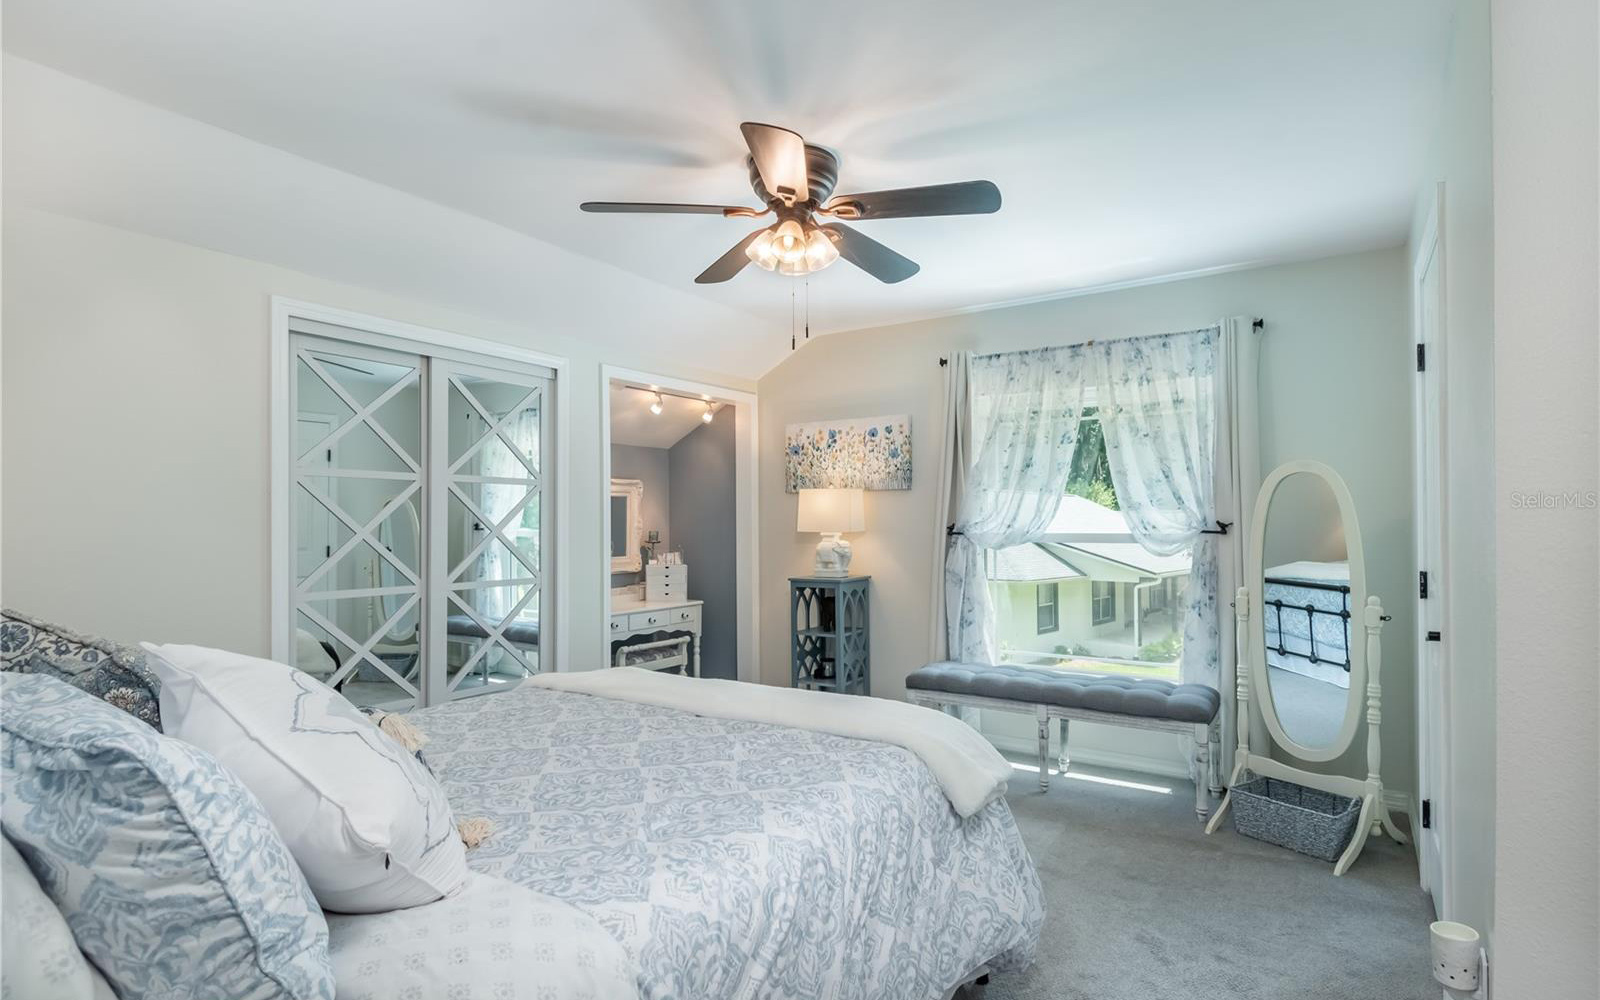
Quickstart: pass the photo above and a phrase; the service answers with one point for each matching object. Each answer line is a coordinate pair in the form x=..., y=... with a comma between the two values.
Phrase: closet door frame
x=293, y=316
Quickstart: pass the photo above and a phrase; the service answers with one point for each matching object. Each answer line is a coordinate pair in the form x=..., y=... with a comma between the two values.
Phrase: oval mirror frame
x=1261, y=690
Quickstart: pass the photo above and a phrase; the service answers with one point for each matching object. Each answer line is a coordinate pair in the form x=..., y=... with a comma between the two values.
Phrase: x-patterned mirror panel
x=358, y=482
x=493, y=507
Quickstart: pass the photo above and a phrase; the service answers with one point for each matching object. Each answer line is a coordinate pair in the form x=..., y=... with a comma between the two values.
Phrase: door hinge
x=1422, y=584
x=1427, y=814
x=1422, y=357
x=327, y=550
x=1434, y=637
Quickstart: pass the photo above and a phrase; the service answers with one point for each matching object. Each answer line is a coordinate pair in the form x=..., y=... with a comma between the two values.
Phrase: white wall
x=1461, y=159
x=1336, y=364
x=135, y=402
x=1546, y=351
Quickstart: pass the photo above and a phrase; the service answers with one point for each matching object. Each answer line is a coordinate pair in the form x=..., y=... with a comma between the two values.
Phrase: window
x=1065, y=585
x=1103, y=603
x=1048, y=598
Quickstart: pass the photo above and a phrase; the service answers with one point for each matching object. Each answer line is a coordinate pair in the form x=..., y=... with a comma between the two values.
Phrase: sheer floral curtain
x=1025, y=411
x=1158, y=409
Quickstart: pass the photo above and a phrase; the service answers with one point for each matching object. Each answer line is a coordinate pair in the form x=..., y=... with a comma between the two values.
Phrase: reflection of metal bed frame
x=1311, y=611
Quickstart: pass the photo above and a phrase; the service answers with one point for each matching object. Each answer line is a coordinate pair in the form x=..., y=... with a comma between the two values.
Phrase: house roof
x=1043, y=562
x=1134, y=556
x=1031, y=563
x=1077, y=516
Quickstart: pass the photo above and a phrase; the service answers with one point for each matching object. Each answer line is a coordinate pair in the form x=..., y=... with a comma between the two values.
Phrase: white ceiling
x=633, y=423
x=1130, y=140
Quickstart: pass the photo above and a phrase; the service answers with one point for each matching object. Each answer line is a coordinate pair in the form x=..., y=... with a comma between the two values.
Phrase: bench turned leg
x=1061, y=753
x=1044, y=750
x=1202, y=771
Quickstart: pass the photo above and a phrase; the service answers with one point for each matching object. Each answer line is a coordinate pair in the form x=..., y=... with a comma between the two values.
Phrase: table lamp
x=832, y=512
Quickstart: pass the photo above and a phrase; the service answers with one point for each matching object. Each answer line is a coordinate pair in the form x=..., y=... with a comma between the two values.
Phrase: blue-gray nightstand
x=830, y=637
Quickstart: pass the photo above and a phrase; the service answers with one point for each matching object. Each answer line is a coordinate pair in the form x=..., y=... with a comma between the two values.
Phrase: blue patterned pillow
x=105, y=669
x=173, y=880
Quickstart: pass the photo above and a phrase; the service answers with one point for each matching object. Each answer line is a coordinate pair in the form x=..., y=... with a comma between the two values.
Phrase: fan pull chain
x=808, y=310
x=791, y=318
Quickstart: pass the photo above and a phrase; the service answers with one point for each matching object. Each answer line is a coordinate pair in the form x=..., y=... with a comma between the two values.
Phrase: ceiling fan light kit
x=795, y=180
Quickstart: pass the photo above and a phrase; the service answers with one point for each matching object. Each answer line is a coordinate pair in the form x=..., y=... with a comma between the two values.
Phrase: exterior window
x=1056, y=601
x=1103, y=603
x=1048, y=605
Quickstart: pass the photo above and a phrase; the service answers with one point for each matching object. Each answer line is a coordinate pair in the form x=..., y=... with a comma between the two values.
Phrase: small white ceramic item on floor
x=1455, y=955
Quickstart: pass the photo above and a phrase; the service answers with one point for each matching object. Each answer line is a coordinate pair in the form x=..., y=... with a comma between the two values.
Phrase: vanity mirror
x=1308, y=641
x=627, y=525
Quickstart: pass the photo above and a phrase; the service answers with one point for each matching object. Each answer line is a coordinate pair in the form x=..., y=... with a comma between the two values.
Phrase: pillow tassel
x=403, y=730
x=475, y=830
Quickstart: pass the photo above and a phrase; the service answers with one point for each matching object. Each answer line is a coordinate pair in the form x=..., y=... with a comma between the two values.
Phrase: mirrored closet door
x=418, y=519
x=492, y=545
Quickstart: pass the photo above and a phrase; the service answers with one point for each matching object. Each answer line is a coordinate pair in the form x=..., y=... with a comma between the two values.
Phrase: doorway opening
x=679, y=526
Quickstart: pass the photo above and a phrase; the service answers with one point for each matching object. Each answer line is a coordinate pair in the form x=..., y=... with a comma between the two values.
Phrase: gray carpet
x=1141, y=905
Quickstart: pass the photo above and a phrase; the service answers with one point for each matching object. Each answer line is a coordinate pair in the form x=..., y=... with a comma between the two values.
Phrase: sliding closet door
x=489, y=531
x=354, y=518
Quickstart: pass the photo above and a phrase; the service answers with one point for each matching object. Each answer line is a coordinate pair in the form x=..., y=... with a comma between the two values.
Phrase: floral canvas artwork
x=872, y=453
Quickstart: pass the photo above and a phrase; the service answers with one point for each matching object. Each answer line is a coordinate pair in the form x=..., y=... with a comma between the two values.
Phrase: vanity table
x=632, y=616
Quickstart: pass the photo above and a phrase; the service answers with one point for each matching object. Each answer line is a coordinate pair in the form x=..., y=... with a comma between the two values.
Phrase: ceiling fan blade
x=963, y=198
x=780, y=156
x=730, y=263
x=662, y=207
x=870, y=255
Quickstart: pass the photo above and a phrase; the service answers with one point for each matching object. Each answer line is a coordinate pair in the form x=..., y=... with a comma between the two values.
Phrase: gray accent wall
x=649, y=466
x=703, y=528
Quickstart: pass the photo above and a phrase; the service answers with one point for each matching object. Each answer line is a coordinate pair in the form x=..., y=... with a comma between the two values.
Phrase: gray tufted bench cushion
x=1099, y=698
x=1148, y=699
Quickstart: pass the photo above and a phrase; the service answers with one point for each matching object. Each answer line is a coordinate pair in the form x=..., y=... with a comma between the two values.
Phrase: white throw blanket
x=969, y=770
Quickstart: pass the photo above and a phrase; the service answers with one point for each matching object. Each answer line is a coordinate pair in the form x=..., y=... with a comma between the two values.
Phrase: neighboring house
x=1099, y=595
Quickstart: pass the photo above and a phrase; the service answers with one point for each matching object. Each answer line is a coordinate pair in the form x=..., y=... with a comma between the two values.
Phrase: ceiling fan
x=795, y=180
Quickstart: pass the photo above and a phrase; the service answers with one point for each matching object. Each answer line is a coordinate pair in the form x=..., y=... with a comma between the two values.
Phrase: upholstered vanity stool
x=830, y=642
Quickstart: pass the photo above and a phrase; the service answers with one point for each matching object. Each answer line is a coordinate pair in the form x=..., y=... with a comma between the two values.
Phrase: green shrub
x=1162, y=651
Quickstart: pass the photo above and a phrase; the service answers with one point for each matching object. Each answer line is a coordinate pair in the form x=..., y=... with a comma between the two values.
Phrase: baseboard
x=1099, y=758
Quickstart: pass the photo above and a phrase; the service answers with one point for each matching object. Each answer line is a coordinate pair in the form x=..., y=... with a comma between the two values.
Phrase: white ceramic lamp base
x=833, y=555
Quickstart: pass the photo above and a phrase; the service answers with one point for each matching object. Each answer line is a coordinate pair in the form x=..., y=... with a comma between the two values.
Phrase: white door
x=1432, y=638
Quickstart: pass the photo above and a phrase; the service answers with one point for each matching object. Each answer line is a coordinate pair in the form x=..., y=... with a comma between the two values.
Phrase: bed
x=1307, y=626
x=735, y=858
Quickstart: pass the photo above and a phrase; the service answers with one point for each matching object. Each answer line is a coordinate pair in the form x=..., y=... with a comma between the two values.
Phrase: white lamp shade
x=831, y=510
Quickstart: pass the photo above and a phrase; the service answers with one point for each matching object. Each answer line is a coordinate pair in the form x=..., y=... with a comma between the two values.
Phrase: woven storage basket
x=1302, y=819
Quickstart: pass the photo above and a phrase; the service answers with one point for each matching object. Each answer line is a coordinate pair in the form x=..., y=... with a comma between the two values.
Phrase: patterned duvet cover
x=735, y=859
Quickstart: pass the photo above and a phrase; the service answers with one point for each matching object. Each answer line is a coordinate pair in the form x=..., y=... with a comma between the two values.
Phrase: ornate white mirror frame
x=1365, y=667
x=633, y=490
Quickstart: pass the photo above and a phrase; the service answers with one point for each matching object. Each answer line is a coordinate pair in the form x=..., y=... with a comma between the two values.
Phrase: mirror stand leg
x=1227, y=797
x=1386, y=821
x=1363, y=827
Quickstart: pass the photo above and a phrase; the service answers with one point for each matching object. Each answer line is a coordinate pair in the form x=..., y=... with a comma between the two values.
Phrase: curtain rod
x=1256, y=324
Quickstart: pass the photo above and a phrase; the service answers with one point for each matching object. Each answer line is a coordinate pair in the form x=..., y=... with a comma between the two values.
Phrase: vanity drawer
x=673, y=619
x=684, y=618
x=619, y=624
x=645, y=621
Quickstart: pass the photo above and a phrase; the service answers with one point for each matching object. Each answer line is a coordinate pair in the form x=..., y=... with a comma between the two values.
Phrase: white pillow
x=367, y=823
x=39, y=959
x=493, y=939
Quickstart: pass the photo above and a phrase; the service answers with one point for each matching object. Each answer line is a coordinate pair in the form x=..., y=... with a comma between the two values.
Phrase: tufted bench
x=1188, y=709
